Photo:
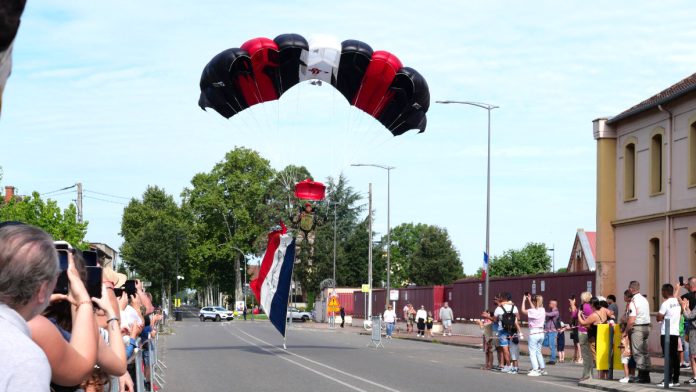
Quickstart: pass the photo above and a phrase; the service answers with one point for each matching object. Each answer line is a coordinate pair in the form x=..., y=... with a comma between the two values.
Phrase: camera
x=129, y=287
x=62, y=283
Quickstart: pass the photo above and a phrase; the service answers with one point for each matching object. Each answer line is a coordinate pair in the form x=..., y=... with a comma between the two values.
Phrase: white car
x=216, y=313
x=296, y=314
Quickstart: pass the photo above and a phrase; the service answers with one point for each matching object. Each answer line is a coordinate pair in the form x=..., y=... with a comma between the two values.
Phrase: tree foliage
x=60, y=224
x=530, y=260
x=155, y=237
x=426, y=254
x=227, y=208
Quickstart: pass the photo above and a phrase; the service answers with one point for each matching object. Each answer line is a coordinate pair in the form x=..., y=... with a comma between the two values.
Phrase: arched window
x=654, y=269
x=656, y=147
x=630, y=171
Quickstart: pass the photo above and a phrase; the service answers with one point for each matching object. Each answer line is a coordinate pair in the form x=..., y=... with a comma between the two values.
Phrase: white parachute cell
x=323, y=59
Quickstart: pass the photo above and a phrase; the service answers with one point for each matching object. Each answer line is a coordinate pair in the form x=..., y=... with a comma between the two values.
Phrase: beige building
x=646, y=193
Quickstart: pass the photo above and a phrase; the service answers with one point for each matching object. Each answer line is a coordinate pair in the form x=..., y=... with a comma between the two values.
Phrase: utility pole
x=79, y=203
x=334, y=247
x=369, y=254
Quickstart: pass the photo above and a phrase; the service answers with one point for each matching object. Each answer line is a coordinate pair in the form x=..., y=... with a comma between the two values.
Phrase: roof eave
x=653, y=105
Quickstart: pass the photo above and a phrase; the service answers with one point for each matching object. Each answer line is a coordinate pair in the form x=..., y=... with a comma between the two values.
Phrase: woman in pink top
x=536, y=315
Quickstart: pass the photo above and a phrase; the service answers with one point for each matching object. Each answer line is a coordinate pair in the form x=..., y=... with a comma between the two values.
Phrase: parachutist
x=306, y=222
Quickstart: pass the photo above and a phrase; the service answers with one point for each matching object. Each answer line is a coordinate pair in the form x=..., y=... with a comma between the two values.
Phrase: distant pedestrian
x=536, y=316
x=690, y=320
x=409, y=317
x=552, y=327
x=670, y=309
x=560, y=342
x=429, y=323
x=486, y=325
x=343, y=316
x=584, y=340
x=573, y=328
x=638, y=330
x=506, y=315
x=389, y=319
x=611, y=301
x=421, y=316
x=244, y=312
x=446, y=316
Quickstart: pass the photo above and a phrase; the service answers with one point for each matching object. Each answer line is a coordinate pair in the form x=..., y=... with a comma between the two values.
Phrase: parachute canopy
x=310, y=190
x=262, y=70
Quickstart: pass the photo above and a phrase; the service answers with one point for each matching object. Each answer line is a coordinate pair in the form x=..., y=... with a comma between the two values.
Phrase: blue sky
x=106, y=93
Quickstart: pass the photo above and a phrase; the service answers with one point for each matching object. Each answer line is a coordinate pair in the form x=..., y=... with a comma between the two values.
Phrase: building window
x=655, y=262
x=630, y=171
x=692, y=153
x=656, y=164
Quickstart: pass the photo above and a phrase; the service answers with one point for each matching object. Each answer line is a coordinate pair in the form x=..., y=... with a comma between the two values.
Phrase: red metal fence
x=465, y=297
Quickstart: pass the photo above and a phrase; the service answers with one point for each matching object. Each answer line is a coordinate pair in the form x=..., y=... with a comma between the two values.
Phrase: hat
x=118, y=279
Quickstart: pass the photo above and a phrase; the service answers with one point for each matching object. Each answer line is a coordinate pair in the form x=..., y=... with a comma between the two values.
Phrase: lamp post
x=388, y=169
x=488, y=107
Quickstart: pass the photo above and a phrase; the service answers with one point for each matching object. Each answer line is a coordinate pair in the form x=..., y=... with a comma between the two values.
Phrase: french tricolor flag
x=272, y=286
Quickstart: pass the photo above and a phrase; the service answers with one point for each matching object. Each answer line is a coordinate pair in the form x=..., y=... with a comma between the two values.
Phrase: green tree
x=530, y=260
x=404, y=245
x=435, y=261
x=227, y=208
x=60, y=224
x=155, y=232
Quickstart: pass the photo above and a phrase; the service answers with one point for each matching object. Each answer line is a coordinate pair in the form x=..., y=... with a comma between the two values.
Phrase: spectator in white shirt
x=638, y=328
x=389, y=320
x=670, y=310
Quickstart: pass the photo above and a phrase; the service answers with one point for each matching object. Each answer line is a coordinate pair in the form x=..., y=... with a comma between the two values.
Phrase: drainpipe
x=668, y=191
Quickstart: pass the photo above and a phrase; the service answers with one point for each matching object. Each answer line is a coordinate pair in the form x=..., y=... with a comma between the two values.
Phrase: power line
x=58, y=190
x=107, y=195
x=106, y=201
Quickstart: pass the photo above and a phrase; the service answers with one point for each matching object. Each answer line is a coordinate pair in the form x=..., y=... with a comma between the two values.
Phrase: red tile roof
x=592, y=238
x=686, y=85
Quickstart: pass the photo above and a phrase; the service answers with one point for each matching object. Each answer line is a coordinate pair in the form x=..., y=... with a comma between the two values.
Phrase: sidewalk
x=469, y=335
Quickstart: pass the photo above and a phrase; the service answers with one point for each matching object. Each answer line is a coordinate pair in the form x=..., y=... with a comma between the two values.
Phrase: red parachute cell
x=264, y=60
x=310, y=190
x=374, y=94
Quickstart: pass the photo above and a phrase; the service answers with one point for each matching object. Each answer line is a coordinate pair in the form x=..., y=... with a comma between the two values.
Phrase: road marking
x=275, y=352
x=434, y=361
x=326, y=366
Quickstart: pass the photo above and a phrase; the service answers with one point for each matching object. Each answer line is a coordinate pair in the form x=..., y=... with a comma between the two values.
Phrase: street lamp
x=488, y=107
x=388, y=169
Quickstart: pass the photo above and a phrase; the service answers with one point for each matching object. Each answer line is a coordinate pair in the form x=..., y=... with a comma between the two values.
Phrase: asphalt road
x=238, y=355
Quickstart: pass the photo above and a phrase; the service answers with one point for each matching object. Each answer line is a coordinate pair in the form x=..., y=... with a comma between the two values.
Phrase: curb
x=607, y=385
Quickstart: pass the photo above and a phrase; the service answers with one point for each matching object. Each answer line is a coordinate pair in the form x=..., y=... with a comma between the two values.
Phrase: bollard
x=667, y=376
x=611, y=351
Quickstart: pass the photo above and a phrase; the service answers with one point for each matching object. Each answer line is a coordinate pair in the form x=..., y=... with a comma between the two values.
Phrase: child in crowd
x=515, y=352
x=486, y=326
x=626, y=359
x=429, y=323
x=560, y=342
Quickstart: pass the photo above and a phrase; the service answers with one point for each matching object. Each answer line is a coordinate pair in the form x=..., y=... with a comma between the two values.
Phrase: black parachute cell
x=411, y=99
x=355, y=57
x=220, y=82
x=290, y=59
x=416, y=120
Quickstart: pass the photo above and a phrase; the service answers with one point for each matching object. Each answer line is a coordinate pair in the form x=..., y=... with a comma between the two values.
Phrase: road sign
x=334, y=305
x=366, y=288
x=393, y=295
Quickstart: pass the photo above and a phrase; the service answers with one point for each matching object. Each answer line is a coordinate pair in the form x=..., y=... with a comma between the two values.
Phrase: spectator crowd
x=68, y=332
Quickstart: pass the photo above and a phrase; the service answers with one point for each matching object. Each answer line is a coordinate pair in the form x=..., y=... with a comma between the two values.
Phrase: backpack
x=507, y=319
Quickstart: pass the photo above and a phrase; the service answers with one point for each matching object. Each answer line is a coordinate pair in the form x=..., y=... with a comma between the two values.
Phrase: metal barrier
x=156, y=365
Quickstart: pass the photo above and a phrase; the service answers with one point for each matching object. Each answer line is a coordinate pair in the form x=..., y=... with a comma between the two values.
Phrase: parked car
x=216, y=313
x=297, y=314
